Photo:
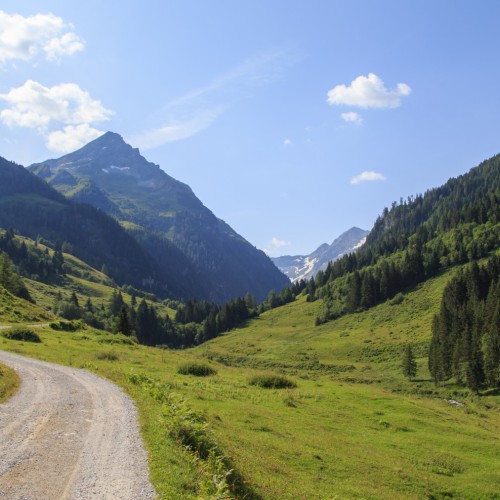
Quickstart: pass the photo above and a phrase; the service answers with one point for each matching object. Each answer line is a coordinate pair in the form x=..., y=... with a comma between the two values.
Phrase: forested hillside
x=33, y=208
x=414, y=240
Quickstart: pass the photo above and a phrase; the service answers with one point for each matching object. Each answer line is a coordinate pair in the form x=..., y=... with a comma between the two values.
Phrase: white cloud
x=368, y=92
x=273, y=247
x=71, y=137
x=352, y=117
x=65, y=107
x=367, y=175
x=287, y=142
x=36, y=106
x=23, y=38
x=66, y=45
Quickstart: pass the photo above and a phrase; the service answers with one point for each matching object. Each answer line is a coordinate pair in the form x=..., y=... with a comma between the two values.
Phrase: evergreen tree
x=74, y=299
x=409, y=363
x=491, y=338
x=368, y=298
x=116, y=303
x=354, y=293
x=123, y=322
x=88, y=305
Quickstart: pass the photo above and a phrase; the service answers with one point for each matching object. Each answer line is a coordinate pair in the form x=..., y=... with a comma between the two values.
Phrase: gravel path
x=68, y=433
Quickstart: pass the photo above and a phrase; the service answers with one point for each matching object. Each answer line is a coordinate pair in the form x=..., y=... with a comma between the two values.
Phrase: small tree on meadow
x=409, y=363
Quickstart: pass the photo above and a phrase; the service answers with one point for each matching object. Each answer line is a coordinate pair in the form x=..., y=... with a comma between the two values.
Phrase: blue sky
x=292, y=121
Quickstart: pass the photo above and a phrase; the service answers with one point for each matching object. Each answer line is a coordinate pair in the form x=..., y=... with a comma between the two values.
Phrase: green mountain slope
x=35, y=209
x=113, y=176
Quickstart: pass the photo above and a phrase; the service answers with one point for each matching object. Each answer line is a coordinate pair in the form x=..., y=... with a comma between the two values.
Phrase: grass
x=9, y=382
x=353, y=427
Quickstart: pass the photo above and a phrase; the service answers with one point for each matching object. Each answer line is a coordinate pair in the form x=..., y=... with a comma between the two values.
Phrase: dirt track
x=68, y=434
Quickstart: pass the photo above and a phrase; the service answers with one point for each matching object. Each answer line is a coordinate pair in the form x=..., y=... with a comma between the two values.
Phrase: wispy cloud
x=176, y=130
x=23, y=38
x=368, y=92
x=352, y=117
x=196, y=110
x=367, y=176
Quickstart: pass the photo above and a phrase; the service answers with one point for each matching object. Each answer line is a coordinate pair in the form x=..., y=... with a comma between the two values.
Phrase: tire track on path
x=68, y=433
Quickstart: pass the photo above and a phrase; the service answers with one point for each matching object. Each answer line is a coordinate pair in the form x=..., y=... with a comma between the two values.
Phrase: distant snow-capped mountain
x=298, y=267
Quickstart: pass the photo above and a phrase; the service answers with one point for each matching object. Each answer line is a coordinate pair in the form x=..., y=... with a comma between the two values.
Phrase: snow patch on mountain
x=299, y=267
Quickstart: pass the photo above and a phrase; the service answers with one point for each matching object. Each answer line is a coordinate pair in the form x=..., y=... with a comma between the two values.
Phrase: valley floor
x=353, y=427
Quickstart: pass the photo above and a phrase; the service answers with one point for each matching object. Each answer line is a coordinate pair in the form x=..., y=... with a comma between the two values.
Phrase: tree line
x=465, y=340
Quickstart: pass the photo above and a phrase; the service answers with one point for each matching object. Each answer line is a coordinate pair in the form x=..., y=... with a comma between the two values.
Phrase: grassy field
x=9, y=382
x=353, y=427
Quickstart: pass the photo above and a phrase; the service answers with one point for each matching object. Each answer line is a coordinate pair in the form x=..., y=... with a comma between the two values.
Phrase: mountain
x=298, y=267
x=33, y=208
x=165, y=216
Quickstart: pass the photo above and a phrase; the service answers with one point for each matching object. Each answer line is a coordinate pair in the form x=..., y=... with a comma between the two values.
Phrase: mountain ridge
x=299, y=267
x=155, y=207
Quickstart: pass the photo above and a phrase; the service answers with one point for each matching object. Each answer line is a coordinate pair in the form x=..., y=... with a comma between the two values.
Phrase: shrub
x=118, y=339
x=397, y=299
x=109, y=356
x=196, y=369
x=22, y=333
x=273, y=382
x=64, y=326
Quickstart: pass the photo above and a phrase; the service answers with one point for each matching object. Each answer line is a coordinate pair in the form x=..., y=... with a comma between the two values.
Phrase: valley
x=299, y=395
x=352, y=427
x=249, y=250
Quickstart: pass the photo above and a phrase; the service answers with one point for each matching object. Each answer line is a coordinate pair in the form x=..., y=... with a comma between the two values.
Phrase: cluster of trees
x=213, y=319
x=32, y=262
x=135, y=319
x=10, y=280
x=466, y=333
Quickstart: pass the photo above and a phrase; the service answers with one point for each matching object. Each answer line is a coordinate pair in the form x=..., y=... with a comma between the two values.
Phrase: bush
x=196, y=369
x=22, y=333
x=397, y=299
x=109, y=356
x=64, y=326
x=273, y=382
x=118, y=339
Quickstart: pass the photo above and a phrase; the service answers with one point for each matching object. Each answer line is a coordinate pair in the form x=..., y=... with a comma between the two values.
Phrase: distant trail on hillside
x=69, y=434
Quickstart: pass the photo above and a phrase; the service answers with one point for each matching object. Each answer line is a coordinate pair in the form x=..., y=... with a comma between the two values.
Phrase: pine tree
x=409, y=363
x=123, y=322
x=354, y=294
x=74, y=299
x=491, y=338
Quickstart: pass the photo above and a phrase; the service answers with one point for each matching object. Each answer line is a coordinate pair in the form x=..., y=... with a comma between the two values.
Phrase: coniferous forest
x=466, y=333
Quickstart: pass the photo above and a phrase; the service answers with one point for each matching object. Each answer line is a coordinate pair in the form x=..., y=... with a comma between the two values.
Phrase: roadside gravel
x=67, y=434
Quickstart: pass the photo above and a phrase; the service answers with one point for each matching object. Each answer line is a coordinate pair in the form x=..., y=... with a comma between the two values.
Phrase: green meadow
x=348, y=425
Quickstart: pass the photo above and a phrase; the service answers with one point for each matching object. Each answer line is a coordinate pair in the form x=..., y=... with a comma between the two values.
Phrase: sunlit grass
x=353, y=427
